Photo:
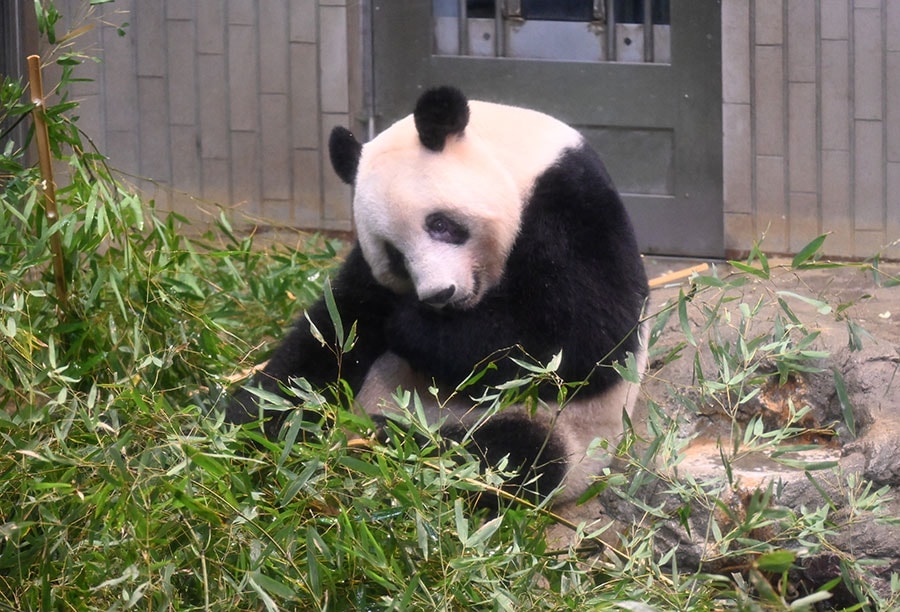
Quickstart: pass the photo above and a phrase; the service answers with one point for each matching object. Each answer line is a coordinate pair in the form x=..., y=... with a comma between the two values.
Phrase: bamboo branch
x=671, y=277
x=49, y=186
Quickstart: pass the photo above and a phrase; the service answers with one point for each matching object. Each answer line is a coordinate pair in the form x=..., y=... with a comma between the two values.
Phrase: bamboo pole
x=671, y=277
x=43, y=144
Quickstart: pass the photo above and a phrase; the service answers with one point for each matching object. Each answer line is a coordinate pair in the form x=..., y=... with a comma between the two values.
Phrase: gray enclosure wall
x=215, y=102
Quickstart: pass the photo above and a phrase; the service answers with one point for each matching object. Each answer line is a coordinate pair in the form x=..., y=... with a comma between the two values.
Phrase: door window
x=634, y=31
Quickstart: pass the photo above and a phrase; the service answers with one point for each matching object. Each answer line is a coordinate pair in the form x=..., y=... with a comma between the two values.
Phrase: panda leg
x=533, y=452
x=360, y=300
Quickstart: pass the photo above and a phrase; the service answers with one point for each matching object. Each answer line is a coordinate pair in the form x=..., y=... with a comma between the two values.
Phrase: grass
x=120, y=488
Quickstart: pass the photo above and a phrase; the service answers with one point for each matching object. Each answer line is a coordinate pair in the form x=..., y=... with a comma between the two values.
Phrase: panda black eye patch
x=442, y=228
x=396, y=261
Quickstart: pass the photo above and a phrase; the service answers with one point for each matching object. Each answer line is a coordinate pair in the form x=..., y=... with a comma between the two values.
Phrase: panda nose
x=440, y=298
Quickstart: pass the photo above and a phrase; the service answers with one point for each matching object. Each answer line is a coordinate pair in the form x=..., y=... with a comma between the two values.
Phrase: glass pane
x=632, y=11
x=445, y=24
x=558, y=10
x=480, y=9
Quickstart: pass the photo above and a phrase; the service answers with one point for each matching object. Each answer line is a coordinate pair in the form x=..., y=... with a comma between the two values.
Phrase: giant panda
x=485, y=233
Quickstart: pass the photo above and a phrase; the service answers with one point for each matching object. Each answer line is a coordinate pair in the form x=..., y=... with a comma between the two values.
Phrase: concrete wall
x=811, y=116
x=230, y=102
x=225, y=102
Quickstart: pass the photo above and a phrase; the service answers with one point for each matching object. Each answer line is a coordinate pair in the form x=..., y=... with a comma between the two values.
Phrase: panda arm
x=447, y=346
x=359, y=299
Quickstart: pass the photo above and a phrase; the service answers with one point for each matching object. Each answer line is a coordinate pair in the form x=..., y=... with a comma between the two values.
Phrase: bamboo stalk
x=43, y=144
x=671, y=277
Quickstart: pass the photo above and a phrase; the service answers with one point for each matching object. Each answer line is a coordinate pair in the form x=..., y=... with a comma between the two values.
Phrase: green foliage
x=737, y=353
x=121, y=488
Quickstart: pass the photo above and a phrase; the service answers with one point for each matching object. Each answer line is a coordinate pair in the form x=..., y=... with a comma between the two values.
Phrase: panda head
x=436, y=209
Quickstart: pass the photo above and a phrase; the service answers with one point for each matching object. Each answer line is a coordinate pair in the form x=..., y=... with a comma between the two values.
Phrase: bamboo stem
x=671, y=277
x=43, y=144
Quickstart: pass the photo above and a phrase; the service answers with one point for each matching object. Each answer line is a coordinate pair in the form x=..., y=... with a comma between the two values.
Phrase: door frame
x=685, y=97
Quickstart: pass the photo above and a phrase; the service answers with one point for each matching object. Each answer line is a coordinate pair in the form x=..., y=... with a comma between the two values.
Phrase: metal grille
x=635, y=31
x=12, y=54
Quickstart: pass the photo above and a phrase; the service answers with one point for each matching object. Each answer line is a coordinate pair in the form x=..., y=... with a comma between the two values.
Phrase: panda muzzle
x=439, y=298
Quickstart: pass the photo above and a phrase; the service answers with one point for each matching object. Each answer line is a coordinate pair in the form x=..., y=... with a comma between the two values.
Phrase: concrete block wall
x=811, y=109
x=225, y=102
x=230, y=102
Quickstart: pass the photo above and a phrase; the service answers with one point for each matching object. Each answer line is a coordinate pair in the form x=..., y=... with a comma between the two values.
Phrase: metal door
x=640, y=78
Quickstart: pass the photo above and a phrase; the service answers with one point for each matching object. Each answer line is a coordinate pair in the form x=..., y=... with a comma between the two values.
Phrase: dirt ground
x=875, y=308
x=851, y=293
x=871, y=374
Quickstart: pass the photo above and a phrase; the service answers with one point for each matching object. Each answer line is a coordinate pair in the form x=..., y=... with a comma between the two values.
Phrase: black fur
x=537, y=459
x=574, y=281
x=439, y=113
x=536, y=456
x=359, y=299
x=344, y=150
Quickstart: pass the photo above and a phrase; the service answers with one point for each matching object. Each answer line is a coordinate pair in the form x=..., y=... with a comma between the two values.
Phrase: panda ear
x=344, y=150
x=440, y=112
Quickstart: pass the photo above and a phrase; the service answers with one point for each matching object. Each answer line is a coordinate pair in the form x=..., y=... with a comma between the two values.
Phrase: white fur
x=483, y=177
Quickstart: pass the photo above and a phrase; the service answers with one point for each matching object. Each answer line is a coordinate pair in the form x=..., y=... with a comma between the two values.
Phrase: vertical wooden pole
x=43, y=144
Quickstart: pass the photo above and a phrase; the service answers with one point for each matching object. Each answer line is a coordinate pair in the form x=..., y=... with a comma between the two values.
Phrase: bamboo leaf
x=808, y=251
x=844, y=400
x=821, y=307
x=855, y=335
x=777, y=561
x=683, y=319
x=462, y=523
x=358, y=465
x=806, y=603
x=484, y=533
x=629, y=372
x=758, y=272
x=334, y=314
